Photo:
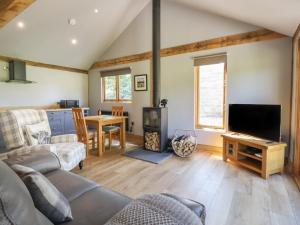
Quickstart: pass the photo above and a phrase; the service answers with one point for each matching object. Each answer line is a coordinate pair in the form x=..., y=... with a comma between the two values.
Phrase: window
x=117, y=85
x=210, y=91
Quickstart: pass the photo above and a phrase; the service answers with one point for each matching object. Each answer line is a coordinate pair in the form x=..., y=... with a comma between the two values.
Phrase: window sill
x=218, y=130
x=116, y=102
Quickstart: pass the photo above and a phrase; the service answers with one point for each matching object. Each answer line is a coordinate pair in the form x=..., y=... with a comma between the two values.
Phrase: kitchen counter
x=67, y=109
x=47, y=110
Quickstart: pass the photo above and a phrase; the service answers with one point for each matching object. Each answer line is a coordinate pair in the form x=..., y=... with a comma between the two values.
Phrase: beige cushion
x=33, y=130
x=10, y=131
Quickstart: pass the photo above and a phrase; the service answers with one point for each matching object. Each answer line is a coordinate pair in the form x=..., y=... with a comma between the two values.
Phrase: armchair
x=13, y=128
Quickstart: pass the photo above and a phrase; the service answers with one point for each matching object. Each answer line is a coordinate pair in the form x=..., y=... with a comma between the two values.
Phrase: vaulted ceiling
x=47, y=36
x=282, y=16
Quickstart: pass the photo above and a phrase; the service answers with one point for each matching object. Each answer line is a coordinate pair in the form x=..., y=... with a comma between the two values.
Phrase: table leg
x=99, y=134
x=123, y=135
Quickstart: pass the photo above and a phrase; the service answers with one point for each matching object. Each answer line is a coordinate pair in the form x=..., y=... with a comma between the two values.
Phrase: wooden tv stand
x=241, y=149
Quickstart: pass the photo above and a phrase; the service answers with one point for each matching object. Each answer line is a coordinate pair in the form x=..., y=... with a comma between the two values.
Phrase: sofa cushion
x=100, y=204
x=16, y=205
x=30, y=116
x=42, y=219
x=47, y=199
x=10, y=130
x=196, y=207
x=155, y=209
x=38, y=133
x=69, y=184
x=42, y=161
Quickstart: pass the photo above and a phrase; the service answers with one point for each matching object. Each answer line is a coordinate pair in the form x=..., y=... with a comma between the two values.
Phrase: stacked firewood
x=152, y=141
x=184, y=145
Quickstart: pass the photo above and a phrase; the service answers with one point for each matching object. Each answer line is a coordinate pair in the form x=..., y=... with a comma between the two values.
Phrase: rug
x=148, y=156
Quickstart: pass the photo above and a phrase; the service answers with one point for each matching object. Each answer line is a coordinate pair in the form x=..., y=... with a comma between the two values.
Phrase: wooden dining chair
x=110, y=131
x=83, y=134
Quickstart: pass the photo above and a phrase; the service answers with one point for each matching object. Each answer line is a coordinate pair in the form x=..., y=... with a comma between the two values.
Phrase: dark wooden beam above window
x=9, y=9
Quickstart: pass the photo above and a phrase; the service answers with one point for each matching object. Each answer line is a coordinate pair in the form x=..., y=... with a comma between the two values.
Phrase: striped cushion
x=12, y=125
x=47, y=199
x=28, y=117
x=10, y=131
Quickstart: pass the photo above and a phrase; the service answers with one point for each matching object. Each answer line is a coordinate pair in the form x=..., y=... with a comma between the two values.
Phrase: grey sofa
x=91, y=203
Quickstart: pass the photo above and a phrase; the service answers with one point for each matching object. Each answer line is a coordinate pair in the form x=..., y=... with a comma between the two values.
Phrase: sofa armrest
x=66, y=138
x=31, y=149
x=43, y=161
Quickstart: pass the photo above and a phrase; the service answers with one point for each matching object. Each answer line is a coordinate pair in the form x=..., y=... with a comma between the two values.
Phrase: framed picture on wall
x=140, y=82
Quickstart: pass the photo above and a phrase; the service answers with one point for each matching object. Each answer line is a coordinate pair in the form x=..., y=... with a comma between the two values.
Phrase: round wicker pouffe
x=186, y=144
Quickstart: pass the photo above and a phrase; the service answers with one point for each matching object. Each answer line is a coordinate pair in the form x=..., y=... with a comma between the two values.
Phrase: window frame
x=197, y=100
x=117, y=99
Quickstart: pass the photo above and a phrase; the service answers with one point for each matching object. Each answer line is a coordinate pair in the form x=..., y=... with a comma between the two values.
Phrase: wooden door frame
x=296, y=157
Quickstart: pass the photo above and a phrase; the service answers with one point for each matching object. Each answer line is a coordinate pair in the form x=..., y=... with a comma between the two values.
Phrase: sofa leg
x=81, y=165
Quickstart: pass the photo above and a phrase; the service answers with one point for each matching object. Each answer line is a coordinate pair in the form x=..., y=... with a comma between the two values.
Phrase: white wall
x=257, y=73
x=50, y=86
x=179, y=25
x=140, y=99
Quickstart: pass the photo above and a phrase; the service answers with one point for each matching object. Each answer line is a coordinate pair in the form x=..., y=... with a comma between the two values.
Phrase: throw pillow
x=10, y=131
x=155, y=209
x=47, y=199
x=16, y=205
x=38, y=134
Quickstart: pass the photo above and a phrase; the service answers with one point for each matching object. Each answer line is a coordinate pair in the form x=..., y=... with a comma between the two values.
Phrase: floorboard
x=232, y=195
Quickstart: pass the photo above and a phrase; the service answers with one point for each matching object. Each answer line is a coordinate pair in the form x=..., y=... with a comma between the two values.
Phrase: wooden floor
x=232, y=195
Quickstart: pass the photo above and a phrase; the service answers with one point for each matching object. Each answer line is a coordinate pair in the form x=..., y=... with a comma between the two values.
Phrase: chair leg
x=94, y=142
x=80, y=165
x=103, y=142
x=110, y=140
x=120, y=138
x=87, y=144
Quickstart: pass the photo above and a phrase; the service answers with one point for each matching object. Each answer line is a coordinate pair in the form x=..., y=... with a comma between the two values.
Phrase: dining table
x=105, y=120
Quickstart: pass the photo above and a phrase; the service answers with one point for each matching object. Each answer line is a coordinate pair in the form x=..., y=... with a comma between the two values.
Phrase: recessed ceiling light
x=72, y=21
x=21, y=24
x=96, y=10
x=74, y=41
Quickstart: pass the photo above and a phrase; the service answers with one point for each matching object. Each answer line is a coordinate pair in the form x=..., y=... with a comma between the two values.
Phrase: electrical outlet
x=131, y=127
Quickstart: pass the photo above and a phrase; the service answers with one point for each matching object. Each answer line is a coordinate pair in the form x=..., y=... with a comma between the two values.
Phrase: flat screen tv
x=261, y=121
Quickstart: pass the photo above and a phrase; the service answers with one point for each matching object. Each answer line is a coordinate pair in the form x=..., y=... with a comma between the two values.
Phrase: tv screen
x=262, y=121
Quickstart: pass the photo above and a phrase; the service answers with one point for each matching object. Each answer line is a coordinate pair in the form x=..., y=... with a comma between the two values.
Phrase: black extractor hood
x=17, y=72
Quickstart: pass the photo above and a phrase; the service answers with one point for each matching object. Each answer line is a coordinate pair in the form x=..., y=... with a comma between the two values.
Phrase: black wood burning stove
x=155, y=123
x=155, y=119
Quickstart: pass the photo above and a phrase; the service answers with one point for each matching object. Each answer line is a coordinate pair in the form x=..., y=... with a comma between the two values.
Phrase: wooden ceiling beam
x=9, y=9
x=296, y=34
x=45, y=65
x=230, y=40
x=122, y=60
